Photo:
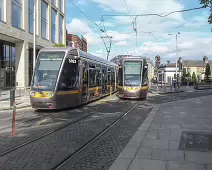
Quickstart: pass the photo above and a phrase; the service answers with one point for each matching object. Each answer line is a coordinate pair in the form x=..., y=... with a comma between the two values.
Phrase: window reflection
x=44, y=19
x=30, y=15
x=53, y=36
x=61, y=29
x=17, y=13
x=1, y=10
x=61, y=5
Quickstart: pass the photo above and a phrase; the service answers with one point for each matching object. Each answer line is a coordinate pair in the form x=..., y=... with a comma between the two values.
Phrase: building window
x=17, y=13
x=54, y=13
x=54, y=2
x=1, y=10
x=61, y=5
x=61, y=29
x=30, y=15
x=44, y=8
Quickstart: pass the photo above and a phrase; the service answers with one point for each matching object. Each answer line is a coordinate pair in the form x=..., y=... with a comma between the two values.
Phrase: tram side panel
x=68, y=89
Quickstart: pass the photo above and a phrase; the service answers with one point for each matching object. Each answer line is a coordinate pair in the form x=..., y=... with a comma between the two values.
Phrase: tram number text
x=72, y=61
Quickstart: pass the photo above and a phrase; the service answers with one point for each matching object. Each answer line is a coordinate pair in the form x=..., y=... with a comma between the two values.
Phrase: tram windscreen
x=46, y=71
x=132, y=73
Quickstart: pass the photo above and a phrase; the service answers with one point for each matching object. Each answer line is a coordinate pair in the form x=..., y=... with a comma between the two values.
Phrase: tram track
x=95, y=138
x=93, y=112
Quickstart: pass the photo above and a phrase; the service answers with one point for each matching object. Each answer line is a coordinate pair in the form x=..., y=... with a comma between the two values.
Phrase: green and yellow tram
x=68, y=77
x=132, y=79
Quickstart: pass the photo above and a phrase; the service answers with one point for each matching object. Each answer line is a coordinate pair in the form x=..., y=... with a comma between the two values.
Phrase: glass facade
x=30, y=15
x=53, y=30
x=61, y=29
x=17, y=13
x=54, y=2
x=1, y=10
x=44, y=8
x=7, y=64
x=61, y=5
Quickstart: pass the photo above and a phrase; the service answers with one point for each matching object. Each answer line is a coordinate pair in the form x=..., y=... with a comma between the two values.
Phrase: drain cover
x=196, y=141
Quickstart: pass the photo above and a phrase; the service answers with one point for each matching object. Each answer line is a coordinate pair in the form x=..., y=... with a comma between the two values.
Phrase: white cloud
x=78, y=27
x=121, y=43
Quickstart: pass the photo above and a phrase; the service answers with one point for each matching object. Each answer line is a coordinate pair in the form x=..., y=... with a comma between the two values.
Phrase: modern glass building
x=16, y=36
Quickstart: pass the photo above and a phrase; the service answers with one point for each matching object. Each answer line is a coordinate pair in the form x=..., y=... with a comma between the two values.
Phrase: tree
x=168, y=62
x=188, y=75
x=59, y=45
x=194, y=78
x=207, y=71
x=184, y=75
x=207, y=4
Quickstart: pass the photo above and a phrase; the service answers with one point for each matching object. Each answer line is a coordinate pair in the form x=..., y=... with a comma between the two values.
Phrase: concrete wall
x=23, y=39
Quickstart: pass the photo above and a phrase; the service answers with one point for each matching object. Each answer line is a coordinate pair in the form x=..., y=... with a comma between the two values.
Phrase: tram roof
x=131, y=57
x=82, y=54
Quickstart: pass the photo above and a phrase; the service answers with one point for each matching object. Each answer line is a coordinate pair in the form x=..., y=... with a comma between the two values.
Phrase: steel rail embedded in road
x=60, y=165
x=46, y=134
x=49, y=133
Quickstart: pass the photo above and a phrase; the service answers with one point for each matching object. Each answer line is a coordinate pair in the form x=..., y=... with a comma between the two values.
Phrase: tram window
x=109, y=73
x=99, y=77
x=69, y=79
x=145, y=75
x=92, y=77
x=120, y=76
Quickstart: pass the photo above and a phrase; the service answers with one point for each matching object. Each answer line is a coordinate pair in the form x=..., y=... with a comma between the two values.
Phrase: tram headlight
x=49, y=94
x=32, y=93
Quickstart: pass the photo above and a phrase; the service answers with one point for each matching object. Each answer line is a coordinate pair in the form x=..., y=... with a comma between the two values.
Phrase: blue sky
x=194, y=41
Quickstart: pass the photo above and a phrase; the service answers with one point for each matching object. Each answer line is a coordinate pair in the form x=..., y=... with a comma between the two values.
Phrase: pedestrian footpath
x=166, y=89
x=21, y=98
x=174, y=136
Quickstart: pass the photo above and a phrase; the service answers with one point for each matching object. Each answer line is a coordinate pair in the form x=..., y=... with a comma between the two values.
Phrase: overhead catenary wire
x=152, y=14
x=97, y=25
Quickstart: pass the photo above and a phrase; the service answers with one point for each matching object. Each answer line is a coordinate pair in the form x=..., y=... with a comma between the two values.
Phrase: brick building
x=74, y=41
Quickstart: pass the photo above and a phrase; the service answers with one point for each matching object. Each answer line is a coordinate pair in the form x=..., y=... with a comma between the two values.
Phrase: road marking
x=39, y=123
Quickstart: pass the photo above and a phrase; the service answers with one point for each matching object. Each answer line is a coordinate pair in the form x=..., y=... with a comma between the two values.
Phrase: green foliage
x=59, y=45
x=184, y=75
x=207, y=71
x=188, y=75
x=194, y=78
x=207, y=4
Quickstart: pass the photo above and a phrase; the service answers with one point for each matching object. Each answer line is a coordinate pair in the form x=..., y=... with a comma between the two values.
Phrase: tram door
x=85, y=82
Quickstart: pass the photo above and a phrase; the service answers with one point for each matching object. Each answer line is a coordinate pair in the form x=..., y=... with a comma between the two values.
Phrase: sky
x=194, y=40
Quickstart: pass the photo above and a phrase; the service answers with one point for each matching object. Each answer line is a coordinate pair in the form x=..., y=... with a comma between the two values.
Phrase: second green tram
x=132, y=79
x=68, y=77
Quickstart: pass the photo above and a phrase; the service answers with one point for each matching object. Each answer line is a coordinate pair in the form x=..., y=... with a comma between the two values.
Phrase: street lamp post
x=176, y=53
x=34, y=34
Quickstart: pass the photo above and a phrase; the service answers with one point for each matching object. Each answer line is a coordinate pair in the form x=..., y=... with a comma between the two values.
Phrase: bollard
x=12, y=97
x=13, y=120
x=97, y=91
x=111, y=91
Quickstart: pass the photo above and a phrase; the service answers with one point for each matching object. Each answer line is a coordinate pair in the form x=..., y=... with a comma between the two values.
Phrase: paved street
x=48, y=138
x=158, y=143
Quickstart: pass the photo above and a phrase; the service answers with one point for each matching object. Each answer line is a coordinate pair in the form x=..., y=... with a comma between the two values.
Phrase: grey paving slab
x=120, y=164
x=128, y=152
x=133, y=144
x=138, y=136
x=167, y=155
x=144, y=153
x=208, y=167
x=151, y=135
x=145, y=164
x=198, y=157
x=192, y=127
x=173, y=165
x=173, y=145
x=148, y=143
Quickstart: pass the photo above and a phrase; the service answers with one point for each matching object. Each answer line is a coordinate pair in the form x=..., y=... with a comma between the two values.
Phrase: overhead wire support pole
x=107, y=48
x=34, y=34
